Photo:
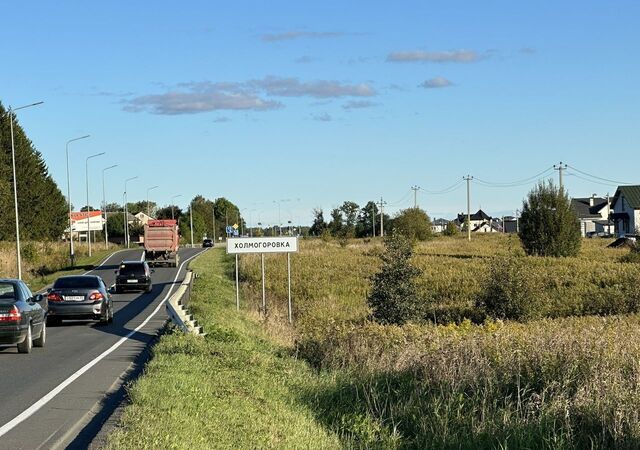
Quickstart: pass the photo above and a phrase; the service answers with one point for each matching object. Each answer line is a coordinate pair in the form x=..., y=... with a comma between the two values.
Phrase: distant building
x=439, y=225
x=626, y=210
x=510, y=224
x=593, y=213
x=481, y=222
x=143, y=218
x=81, y=221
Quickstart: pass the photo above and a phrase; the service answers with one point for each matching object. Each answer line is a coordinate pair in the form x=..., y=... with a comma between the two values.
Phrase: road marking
x=52, y=394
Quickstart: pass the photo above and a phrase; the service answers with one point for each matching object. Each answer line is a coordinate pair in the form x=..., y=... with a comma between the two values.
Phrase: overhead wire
x=514, y=183
x=596, y=177
x=591, y=181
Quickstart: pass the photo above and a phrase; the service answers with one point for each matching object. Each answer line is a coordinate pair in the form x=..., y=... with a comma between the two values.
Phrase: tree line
x=42, y=207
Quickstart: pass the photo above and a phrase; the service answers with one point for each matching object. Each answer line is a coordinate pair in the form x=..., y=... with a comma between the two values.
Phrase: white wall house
x=593, y=213
x=626, y=210
x=480, y=222
x=439, y=225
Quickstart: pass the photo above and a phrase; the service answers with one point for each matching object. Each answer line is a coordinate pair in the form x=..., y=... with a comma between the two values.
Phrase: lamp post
x=126, y=210
x=175, y=196
x=191, y=221
x=148, y=190
x=72, y=255
x=104, y=207
x=15, y=185
x=86, y=176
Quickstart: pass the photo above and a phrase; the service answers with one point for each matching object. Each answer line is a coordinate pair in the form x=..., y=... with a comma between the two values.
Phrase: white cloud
x=292, y=87
x=457, y=56
x=437, y=82
x=324, y=117
x=359, y=104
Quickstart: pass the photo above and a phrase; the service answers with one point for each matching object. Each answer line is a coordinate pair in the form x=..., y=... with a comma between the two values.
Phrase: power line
x=515, y=183
x=597, y=177
x=446, y=190
x=591, y=181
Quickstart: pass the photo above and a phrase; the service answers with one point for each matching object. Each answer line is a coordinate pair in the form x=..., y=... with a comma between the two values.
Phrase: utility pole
x=213, y=213
x=381, y=204
x=373, y=218
x=560, y=167
x=468, y=179
x=415, y=189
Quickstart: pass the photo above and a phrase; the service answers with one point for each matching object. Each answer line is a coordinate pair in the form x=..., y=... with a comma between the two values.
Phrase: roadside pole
x=264, y=298
x=289, y=285
x=237, y=286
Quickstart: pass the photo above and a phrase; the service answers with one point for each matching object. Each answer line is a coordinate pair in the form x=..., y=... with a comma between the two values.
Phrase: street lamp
x=126, y=210
x=175, y=196
x=104, y=207
x=15, y=185
x=71, y=253
x=86, y=175
x=191, y=221
x=149, y=189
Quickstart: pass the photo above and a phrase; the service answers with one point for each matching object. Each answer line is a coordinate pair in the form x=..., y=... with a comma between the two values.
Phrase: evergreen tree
x=336, y=225
x=319, y=225
x=41, y=205
x=367, y=216
x=548, y=224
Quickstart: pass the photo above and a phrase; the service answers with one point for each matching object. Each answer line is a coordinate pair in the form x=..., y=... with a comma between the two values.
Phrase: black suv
x=206, y=242
x=133, y=276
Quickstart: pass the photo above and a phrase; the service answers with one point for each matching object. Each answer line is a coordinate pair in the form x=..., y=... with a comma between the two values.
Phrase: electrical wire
x=597, y=177
x=569, y=174
x=402, y=200
x=446, y=190
x=514, y=183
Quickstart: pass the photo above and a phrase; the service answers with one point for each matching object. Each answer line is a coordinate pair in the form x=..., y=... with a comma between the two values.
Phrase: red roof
x=82, y=215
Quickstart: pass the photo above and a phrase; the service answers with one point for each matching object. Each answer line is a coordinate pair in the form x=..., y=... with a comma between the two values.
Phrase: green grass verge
x=235, y=388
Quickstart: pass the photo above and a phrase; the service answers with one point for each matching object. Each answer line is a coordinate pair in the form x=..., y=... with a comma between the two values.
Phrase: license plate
x=132, y=281
x=74, y=298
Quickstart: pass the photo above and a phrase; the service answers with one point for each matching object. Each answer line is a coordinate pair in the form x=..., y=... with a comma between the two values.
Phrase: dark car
x=133, y=276
x=207, y=242
x=80, y=297
x=23, y=316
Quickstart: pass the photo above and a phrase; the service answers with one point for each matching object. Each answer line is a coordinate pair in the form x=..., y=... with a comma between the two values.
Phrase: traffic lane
x=72, y=345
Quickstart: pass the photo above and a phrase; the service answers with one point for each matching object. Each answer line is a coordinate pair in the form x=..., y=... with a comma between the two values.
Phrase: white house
x=626, y=210
x=143, y=218
x=480, y=222
x=439, y=225
x=593, y=213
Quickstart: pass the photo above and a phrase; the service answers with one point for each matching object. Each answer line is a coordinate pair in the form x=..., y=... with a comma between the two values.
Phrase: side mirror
x=38, y=298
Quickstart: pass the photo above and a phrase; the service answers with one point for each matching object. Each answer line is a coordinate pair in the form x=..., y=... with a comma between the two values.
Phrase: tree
x=166, y=212
x=350, y=214
x=337, y=223
x=413, y=223
x=319, y=225
x=115, y=225
x=41, y=205
x=394, y=295
x=548, y=224
x=451, y=229
x=367, y=216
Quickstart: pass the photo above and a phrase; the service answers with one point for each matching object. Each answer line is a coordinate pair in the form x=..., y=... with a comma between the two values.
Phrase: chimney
x=592, y=199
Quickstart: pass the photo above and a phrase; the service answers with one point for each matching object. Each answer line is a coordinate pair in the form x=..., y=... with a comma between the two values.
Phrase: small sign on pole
x=262, y=245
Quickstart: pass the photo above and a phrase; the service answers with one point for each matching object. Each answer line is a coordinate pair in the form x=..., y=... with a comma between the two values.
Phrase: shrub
x=451, y=229
x=548, y=225
x=394, y=297
x=512, y=291
x=413, y=223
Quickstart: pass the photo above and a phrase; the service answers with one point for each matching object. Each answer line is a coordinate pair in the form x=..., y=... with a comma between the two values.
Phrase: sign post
x=262, y=245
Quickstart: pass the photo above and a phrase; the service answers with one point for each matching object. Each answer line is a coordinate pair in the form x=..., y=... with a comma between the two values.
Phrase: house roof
x=82, y=215
x=480, y=215
x=440, y=222
x=584, y=210
x=630, y=193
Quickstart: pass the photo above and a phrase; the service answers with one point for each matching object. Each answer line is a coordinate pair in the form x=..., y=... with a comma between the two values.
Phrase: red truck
x=161, y=243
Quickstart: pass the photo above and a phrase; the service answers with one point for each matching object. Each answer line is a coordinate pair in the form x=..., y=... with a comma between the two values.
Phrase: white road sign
x=284, y=244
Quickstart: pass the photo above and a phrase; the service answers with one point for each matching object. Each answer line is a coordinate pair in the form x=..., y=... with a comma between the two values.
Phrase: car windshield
x=76, y=282
x=131, y=269
x=7, y=291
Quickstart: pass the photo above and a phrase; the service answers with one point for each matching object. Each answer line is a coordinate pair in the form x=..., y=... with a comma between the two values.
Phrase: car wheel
x=26, y=345
x=53, y=321
x=149, y=288
x=42, y=339
x=110, y=315
x=118, y=290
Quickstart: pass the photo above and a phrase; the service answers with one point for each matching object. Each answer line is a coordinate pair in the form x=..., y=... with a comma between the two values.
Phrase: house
x=143, y=218
x=626, y=210
x=439, y=225
x=480, y=222
x=510, y=224
x=593, y=213
x=81, y=221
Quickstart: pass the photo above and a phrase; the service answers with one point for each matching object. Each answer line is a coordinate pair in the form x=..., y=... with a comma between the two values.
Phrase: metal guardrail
x=178, y=311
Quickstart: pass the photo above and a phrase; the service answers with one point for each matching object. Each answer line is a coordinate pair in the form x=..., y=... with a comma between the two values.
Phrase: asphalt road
x=66, y=372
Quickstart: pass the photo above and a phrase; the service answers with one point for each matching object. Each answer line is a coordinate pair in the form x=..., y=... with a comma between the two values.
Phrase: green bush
x=413, y=223
x=394, y=297
x=450, y=230
x=548, y=225
x=513, y=291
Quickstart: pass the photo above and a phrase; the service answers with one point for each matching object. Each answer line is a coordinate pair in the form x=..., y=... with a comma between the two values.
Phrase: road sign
x=284, y=244
x=235, y=226
x=229, y=229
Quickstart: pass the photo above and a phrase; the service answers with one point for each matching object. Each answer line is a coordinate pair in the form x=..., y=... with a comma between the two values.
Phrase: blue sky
x=318, y=103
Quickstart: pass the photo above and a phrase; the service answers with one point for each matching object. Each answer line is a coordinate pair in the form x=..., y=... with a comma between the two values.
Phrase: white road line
x=51, y=395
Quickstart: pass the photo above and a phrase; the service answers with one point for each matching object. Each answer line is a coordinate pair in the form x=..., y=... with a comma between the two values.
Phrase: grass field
x=567, y=380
